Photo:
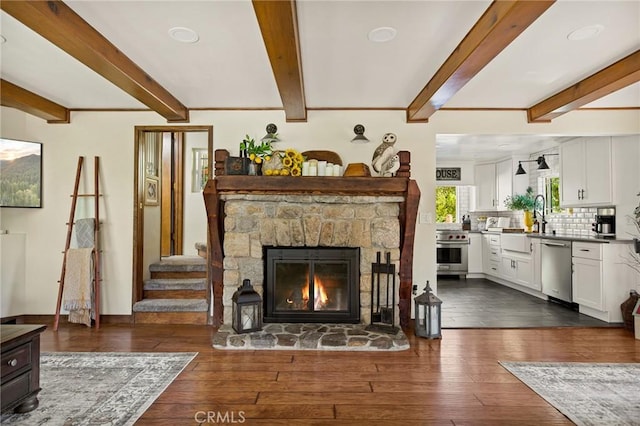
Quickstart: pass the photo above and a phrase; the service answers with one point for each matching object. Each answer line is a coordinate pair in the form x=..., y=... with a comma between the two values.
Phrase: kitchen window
x=551, y=185
x=446, y=204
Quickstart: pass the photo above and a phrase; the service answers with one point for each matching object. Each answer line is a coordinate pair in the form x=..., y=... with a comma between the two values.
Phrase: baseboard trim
x=49, y=319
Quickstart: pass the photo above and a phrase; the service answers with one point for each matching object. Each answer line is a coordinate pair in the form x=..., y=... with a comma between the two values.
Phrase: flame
x=321, y=299
x=321, y=295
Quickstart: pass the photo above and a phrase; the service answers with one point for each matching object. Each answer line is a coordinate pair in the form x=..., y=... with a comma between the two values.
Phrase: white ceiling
x=229, y=67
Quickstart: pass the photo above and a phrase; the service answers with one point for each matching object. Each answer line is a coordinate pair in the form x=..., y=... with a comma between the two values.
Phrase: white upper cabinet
x=495, y=182
x=585, y=172
x=485, y=176
x=504, y=182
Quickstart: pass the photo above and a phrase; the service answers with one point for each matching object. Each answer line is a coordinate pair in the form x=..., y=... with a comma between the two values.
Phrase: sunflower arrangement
x=291, y=164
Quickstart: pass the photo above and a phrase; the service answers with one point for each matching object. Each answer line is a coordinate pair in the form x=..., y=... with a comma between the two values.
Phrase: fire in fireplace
x=304, y=284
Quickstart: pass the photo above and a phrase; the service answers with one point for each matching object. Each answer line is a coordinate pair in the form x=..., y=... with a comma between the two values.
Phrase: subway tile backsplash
x=577, y=221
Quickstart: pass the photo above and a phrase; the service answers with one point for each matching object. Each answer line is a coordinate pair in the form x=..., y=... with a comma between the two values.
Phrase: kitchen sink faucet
x=543, y=223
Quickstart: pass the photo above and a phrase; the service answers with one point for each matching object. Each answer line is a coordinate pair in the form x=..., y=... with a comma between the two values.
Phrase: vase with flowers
x=256, y=152
x=525, y=202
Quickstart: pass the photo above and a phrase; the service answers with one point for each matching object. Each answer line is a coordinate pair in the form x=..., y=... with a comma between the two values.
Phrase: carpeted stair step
x=175, y=288
x=171, y=311
x=179, y=267
x=171, y=305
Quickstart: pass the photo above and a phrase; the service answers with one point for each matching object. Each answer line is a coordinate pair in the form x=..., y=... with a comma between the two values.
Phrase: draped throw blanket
x=78, y=295
x=84, y=230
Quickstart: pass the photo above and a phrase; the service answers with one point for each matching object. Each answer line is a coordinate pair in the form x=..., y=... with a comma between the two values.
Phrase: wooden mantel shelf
x=312, y=185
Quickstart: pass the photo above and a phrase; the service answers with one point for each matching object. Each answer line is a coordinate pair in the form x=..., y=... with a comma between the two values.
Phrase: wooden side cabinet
x=20, y=369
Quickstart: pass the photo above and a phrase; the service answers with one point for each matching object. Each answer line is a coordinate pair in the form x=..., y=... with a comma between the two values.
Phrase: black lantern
x=246, y=309
x=428, y=315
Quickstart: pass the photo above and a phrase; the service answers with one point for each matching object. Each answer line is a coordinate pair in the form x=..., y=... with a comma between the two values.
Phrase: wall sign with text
x=448, y=173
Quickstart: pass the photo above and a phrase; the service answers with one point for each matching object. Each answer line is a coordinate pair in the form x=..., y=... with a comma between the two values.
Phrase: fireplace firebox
x=304, y=284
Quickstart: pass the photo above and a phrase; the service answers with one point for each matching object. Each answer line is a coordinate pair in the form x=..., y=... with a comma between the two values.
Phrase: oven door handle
x=452, y=243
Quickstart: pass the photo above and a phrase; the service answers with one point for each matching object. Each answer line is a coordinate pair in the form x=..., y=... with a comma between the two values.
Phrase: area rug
x=588, y=394
x=99, y=388
x=312, y=337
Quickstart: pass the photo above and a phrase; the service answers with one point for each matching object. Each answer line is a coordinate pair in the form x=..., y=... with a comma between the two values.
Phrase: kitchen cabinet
x=517, y=269
x=475, y=264
x=497, y=181
x=504, y=182
x=587, y=275
x=485, y=178
x=585, y=172
x=517, y=264
x=600, y=282
x=492, y=264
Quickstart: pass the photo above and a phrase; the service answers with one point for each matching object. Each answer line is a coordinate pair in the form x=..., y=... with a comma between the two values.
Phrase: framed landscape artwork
x=20, y=173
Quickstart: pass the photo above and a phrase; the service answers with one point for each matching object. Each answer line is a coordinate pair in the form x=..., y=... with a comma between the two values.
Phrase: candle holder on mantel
x=246, y=309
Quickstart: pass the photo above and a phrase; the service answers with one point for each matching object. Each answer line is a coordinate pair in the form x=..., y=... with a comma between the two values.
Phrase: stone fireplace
x=249, y=214
x=255, y=221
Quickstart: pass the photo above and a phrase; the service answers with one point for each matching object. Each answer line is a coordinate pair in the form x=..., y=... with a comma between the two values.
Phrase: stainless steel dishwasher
x=556, y=269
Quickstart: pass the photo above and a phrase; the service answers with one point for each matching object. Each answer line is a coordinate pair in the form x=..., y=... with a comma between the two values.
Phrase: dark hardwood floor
x=453, y=381
x=480, y=303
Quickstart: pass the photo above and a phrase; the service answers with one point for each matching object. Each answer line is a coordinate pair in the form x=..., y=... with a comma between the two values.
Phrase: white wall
x=12, y=274
x=111, y=136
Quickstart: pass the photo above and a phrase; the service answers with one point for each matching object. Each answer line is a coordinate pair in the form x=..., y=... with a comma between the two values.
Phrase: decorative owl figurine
x=382, y=160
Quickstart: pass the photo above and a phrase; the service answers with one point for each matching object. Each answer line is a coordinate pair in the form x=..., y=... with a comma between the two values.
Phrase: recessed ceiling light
x=183, y=35
x=382, y=34
x=585, y=33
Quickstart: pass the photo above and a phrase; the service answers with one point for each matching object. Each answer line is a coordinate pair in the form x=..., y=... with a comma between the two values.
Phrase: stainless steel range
x=452, y=248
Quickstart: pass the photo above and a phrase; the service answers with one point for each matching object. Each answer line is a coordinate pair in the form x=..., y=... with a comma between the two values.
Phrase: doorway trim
x=138, y=194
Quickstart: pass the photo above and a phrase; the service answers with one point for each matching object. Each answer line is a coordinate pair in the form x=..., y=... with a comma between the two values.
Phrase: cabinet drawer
x=15, y=389
x=16, y=359
x=494, y=254
x=587, y=250
x=494, y=268
x=494, y=240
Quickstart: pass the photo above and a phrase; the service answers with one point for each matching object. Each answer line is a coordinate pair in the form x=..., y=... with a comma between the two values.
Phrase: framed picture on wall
x=151, y=192
x=20, y=173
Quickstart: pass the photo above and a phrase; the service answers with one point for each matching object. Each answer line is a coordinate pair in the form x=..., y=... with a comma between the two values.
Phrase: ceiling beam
x=612, y=78
x=58, y=23
x=278, y=22
x=16, y=97
x=500, y=24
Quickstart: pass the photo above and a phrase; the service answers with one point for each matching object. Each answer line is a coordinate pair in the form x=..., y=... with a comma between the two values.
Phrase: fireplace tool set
x=383, y=295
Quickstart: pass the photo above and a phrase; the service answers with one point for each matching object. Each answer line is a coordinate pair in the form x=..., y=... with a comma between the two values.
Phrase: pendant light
x=542, y=162
x=521, y=170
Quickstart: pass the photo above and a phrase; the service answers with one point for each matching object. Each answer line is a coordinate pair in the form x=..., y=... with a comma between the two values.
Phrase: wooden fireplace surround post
x=400, y=185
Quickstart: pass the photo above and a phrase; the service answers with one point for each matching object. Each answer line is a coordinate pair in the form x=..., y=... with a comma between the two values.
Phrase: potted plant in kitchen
x=629, y=308
x=525, y=202
x=256, y=152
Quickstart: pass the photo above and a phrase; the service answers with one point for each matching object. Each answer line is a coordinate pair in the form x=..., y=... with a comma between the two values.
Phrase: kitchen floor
x=480, y=303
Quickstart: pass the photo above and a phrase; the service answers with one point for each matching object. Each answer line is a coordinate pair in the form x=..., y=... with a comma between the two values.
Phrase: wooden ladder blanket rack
x=96, y=246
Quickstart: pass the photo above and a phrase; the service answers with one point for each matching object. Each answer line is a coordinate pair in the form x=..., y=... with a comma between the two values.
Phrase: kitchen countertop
x=564, y=237
x=591, y=239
